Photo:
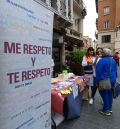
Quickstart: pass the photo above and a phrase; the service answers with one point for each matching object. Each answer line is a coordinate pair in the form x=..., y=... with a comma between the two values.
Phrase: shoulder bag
x=106, y=84
x=116, y=90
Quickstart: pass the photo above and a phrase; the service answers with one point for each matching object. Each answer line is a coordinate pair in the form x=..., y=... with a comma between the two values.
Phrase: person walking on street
x=106, y=68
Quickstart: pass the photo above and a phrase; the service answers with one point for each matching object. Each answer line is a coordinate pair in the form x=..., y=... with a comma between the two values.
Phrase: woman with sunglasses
x=94, y=87
x=87, y=63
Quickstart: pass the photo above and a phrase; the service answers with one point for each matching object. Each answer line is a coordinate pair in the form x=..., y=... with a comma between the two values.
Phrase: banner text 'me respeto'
x=18, y=48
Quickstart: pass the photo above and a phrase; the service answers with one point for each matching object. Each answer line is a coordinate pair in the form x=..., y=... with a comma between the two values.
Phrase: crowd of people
x=99, y=66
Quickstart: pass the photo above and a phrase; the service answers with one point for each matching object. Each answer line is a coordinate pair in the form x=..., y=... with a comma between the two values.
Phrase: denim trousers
x=107, y=98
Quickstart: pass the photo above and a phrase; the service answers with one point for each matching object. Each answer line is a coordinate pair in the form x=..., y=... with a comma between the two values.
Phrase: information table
x=60, y=90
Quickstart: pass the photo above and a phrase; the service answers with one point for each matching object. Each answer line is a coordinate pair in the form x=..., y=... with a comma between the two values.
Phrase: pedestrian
x=94, y=87
x=116, y=58
x=87, y=64
x=106, y=68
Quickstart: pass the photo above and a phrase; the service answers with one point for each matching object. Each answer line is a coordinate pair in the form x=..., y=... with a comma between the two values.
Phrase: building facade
x=87, y=42
x=108, y=24
x=74, y=33
x=67, y=28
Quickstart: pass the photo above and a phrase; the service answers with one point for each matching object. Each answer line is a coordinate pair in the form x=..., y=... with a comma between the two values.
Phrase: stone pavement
x=91, y=119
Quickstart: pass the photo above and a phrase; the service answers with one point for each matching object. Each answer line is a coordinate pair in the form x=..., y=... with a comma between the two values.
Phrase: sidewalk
x=91, y=119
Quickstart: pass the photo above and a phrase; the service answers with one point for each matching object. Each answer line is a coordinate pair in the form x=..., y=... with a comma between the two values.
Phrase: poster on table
x=26, y=29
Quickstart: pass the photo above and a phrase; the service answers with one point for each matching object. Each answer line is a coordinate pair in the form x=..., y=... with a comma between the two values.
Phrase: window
x=106, y=24
x=106, y=10
x=106, y=39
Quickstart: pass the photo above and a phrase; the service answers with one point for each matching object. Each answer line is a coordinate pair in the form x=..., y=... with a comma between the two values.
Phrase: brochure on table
x=26, y=29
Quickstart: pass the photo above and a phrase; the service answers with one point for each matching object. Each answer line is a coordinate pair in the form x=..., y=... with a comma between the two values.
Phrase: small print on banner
x=75, y=90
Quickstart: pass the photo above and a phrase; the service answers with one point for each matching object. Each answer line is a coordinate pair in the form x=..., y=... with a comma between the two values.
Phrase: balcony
x=59, y=6
x=43, y=1
x=74, y=33
x=80, y=3
x=63, y=7
x=80, y=6
x=73, y=37
x=54, y=4
x=63, y=10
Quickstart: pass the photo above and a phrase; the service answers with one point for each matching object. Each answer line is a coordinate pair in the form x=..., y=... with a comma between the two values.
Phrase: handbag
x=106, y=84
x=116, y=90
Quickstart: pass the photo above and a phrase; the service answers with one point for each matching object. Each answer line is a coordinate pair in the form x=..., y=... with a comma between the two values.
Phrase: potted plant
x=76, y=61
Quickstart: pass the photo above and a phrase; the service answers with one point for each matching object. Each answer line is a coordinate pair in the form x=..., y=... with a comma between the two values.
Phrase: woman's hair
x=90, y=49
x=99, y=48
x=107, y=51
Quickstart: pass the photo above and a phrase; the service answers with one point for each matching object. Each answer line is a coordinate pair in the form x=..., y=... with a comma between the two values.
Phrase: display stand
x=58, y=119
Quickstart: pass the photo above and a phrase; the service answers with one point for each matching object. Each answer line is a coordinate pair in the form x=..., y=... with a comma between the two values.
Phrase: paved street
x=91, y=119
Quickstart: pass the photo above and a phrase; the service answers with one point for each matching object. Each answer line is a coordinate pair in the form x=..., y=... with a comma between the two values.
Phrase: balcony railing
x=63, y=7
x=54, y=4
x=80, y=3
x=73, y=32
x=43, y=1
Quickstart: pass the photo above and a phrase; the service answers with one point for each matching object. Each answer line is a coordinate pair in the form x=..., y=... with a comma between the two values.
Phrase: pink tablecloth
x=57, y=101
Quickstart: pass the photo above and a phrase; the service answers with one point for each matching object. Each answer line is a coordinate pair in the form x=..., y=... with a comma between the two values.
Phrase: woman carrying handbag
x=106, y=75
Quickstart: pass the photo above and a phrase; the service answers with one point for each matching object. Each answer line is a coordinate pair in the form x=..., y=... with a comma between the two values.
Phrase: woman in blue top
x=103, y=72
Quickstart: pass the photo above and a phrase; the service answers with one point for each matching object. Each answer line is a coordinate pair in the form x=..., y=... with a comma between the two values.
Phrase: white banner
x=26, y=29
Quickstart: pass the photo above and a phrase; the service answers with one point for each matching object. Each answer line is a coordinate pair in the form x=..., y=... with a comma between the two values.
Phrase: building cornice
x=106, y=31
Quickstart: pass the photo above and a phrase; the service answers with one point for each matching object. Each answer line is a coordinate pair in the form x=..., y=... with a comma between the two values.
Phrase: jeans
x=107, y=99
